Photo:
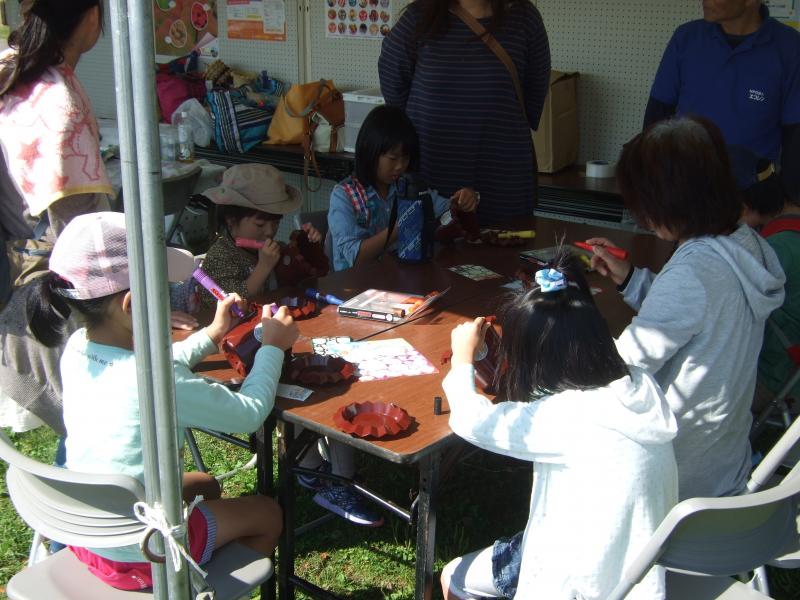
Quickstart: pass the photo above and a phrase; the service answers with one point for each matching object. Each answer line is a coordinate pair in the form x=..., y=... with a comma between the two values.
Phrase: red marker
x=248, y=243
x=612, y=250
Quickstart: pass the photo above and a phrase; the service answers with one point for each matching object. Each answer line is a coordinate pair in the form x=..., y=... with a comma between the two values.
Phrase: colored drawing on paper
x=358, y=19
x=331, y=346
x=475, y=272
x=257, y=20
x=180, y=24
x=381, y=359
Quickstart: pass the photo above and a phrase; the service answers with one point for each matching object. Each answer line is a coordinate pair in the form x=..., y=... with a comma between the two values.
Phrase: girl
x=52, y=169
x=252, y=200
x=89, y=274
x=700, y=321
x=361, y=205
x=597, y=431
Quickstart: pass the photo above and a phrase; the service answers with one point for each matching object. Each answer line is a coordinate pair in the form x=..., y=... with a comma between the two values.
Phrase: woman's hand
x=606, y=264
x=223, y=319
x=181, y=320
x=466, y=199
x=465, y=339
x=279, y=330
x=314, y=236
x=269, y=255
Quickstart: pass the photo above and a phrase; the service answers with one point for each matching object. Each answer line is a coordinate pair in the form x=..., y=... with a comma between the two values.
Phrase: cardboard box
x=556, y=140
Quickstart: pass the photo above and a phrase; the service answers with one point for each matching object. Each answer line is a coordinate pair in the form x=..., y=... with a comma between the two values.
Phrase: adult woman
x=53, y=170
x=462, y=99
x=700, y=321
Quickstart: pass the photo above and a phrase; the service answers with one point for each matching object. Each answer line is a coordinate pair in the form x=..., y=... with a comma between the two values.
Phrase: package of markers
x=382, y=305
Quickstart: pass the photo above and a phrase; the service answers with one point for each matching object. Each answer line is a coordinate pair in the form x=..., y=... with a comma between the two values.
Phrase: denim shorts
x=506, y=562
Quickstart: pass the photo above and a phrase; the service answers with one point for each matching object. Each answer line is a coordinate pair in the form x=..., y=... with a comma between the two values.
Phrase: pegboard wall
x=614, y=44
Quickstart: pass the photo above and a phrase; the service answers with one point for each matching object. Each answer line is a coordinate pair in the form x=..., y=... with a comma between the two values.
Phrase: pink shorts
x=137, y=575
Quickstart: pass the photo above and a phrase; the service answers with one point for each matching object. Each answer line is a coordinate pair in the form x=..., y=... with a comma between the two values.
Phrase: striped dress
x=462, y=102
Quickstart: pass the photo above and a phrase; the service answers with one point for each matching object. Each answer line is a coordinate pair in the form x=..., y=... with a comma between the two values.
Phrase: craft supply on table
x=298, y=306
x=205, y=280
x=376, y=360
x=315, y=369
x=475, y=272
x=600, y=169
x=293, y=392
x=320, y=297
x=612, y=250
x=383, y=305
x=489, y=369
x=372, y=419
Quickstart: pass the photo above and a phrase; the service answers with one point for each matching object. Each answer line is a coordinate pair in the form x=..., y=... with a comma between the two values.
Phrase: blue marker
x=329, y=298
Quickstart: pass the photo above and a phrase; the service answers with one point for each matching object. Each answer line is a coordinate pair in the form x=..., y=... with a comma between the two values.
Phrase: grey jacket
x=699, y=329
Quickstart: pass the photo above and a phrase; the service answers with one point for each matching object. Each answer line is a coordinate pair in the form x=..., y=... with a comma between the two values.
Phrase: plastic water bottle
x=185, y=137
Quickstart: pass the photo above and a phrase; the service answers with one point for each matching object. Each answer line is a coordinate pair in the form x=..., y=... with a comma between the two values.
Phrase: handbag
x=310, y=114
x=238, y=126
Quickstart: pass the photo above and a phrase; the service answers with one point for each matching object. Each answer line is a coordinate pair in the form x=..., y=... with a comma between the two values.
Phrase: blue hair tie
x=551, y=280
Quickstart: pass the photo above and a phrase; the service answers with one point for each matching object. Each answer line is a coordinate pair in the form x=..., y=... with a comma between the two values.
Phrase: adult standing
x=740, y=68
x=462, y=99
x=52, y=168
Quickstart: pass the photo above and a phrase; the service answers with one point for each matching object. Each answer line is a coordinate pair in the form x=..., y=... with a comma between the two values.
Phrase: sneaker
x=344, y=501
x=315, y=483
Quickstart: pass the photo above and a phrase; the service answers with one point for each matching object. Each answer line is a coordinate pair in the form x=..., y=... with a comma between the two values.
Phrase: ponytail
x=47, y=311
x=39, y=41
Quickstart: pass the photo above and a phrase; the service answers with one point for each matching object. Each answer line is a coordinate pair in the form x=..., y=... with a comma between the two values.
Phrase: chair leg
x=38, y=549
x=195, y=451
x=759, y=581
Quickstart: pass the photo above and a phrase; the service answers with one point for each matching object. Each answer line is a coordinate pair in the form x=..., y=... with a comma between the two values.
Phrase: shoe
x=344, y=501
x=315, y=483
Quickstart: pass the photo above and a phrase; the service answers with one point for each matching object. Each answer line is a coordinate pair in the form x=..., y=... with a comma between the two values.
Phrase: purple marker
x=203, y=279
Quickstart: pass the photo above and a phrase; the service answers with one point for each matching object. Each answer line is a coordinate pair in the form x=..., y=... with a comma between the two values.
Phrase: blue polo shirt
x=749, y=91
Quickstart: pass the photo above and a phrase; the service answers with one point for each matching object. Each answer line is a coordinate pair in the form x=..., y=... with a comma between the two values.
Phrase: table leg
x=286, y=498
x=426, y=525
x=261, y=442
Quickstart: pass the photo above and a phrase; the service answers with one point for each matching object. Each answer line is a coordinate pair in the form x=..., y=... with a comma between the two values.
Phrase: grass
x=355, y=562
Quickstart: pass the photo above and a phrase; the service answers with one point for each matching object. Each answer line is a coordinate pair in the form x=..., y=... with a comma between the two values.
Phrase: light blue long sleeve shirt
x=101, y=405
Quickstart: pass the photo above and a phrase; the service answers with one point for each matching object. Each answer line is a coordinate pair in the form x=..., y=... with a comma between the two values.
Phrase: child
x=770, y=210
x=251, y=202
x=700, y=321
x=597, y=431
x=89, y=274
x=361, y=205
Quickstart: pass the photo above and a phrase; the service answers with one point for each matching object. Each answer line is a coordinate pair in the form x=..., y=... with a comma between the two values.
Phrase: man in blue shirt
x=740, y=68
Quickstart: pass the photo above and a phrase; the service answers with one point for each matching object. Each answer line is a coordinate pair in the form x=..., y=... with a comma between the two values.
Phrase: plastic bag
x=202, y=126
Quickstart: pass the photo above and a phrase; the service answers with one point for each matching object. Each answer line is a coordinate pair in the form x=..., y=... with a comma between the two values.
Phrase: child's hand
x=466, y=199
x=280, y=330
x=181, y=320
x=606, y=264
x=223, y=318
x=465, y=340
x=314, y=236
x=269, y=254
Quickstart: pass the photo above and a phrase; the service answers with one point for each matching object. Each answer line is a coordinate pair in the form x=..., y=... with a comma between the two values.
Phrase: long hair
x=39, y=41
x=557, y=341
x=433, y=15
x=47, y=311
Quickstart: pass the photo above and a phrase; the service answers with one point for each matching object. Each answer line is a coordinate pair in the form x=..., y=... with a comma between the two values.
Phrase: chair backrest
x=721, y=536
x=774, y=458
x=78, y=509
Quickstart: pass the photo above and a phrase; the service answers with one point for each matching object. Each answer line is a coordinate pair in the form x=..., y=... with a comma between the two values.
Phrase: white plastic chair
x=703, y=542
x=96, y=511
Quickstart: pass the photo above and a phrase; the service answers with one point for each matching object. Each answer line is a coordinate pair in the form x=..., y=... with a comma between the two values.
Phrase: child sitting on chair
x=598, y=432
x=251, y=202
x=773, y=212
x=89, y=274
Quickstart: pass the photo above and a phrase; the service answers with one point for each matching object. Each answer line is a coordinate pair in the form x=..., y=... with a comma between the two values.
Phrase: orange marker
x=612, y=250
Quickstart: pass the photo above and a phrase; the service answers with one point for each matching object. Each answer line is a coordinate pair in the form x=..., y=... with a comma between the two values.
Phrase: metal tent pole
x=144, y=217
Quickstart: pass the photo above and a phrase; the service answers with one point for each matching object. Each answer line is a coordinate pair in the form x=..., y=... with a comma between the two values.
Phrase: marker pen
x=612, y=250
x=248, y=243
x=525, y=234
x=203, y=279
x=329, y=298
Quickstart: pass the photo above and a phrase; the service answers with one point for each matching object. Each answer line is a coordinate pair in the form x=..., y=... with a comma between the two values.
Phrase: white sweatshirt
x=604, y=478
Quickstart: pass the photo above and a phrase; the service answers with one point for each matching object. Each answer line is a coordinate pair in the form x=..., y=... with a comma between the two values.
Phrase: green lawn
x=485, y=497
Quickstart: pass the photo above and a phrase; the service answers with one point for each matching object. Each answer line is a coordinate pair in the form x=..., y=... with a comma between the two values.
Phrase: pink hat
x=92, y=254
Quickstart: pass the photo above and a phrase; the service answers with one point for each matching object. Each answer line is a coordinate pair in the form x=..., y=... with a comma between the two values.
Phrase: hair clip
x=551, y=280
